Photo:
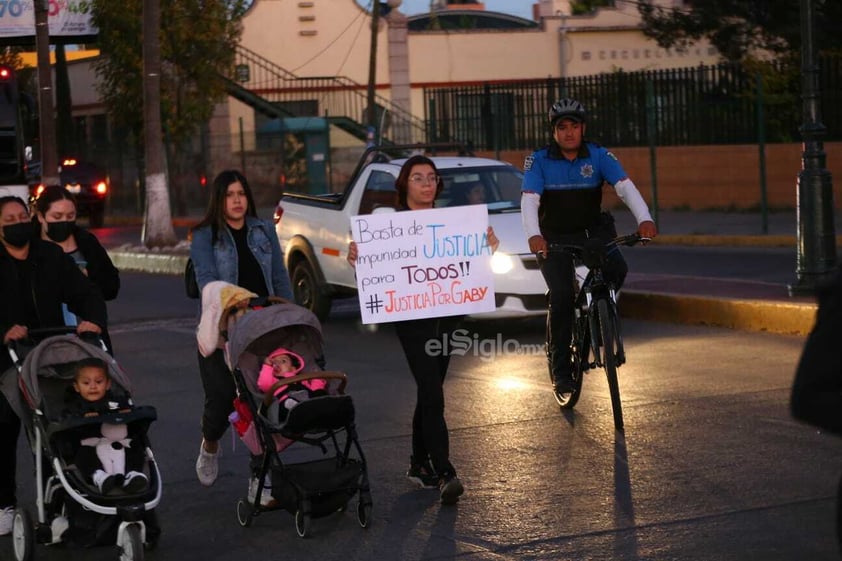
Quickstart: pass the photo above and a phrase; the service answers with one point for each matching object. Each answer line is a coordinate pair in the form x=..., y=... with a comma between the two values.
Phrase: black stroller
x=307, y=489
x=70, y=509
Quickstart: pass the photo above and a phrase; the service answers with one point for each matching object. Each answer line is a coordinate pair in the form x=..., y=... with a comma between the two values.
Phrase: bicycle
x=597, y=339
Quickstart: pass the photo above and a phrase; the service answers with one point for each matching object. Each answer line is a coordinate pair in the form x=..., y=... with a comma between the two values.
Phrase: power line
x=329, y=45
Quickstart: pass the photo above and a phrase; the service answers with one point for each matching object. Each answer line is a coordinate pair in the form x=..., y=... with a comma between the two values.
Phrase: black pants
x=559, y=273
x=9, y=431
x=429, y=429
x=220, y=391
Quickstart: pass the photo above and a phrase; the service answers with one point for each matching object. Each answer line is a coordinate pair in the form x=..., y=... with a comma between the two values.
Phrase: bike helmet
x=567, y=109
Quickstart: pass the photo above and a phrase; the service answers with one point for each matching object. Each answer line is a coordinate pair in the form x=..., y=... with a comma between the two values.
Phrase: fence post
x=761, y=146
x=653, y=158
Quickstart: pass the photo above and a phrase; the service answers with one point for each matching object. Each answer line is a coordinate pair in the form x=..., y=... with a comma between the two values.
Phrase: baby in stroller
x=283, y=363
x=105, y=452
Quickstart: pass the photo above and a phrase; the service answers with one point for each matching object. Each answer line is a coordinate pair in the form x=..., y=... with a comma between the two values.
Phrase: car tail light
x=101, y=188
x=279, y=212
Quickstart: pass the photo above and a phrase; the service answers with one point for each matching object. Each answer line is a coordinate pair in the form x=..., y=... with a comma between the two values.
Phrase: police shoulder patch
x=527, y=163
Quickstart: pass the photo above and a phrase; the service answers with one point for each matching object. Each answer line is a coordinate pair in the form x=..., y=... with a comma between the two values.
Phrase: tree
x=740, y=29
x=198, y=40
x=581, y=7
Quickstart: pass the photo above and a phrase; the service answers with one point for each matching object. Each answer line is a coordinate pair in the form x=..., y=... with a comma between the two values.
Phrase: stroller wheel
x=245, y=514
x=364, y=514
x=23, y=536
x=302, y=524
x=130, y=543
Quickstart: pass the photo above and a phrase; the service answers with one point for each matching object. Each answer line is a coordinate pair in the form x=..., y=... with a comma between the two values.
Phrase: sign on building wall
x=65, y=17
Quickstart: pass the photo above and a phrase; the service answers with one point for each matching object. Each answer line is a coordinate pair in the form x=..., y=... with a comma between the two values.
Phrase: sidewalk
x=723, y=302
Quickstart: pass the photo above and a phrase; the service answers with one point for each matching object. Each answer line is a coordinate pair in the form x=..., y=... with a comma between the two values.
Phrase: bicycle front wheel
x=607, y=329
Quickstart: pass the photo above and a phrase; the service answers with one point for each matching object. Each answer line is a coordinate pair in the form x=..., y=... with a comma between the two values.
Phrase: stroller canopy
x=261, y=331
x=45, y=362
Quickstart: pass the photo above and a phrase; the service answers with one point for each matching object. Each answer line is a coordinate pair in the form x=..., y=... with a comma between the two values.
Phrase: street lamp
x=816, y=255
x=377, y=9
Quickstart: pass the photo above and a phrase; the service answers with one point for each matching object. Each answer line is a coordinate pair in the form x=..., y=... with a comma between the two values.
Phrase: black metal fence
x=723, y=104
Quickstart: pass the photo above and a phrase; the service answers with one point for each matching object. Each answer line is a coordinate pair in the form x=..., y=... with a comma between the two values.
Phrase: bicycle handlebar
x=627, y=240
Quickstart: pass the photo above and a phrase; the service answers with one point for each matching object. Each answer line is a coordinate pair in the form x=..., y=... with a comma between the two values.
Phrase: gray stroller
x=70, y=509
x=336, y=471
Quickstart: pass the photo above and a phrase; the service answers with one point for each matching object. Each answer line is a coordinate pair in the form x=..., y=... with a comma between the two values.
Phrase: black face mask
x=60, y=231
x=17, y=235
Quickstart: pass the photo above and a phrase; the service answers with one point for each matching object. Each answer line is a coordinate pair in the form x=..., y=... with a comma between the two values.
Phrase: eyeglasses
x=418, y=178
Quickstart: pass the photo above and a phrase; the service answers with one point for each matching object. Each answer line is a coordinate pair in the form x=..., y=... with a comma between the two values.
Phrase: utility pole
x=816, y=257
x=371, y=117
x=46, y=112
x=157, y=221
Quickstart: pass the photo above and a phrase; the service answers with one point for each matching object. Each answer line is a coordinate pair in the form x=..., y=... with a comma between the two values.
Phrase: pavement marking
x=174, y=325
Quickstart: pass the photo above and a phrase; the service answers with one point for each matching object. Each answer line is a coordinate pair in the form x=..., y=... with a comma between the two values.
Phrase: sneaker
x=107, y=482
x=563, y=383
x=207, y=465
x=422, y=474
x=266, y=498
x=7, y=519
x=451, y=489
x=135, y=482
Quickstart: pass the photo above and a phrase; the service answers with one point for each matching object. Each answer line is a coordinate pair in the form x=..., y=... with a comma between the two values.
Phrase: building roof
x=454, y=20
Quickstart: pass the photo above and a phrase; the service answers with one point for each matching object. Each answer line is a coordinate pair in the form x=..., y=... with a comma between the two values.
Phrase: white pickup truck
x=314, y=230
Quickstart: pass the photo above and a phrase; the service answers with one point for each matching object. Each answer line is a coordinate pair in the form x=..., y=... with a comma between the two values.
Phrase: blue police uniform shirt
x=571, y=191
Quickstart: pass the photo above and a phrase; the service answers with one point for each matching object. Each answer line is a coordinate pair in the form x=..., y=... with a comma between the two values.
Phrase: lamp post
x=816, y=242
x=377, y=9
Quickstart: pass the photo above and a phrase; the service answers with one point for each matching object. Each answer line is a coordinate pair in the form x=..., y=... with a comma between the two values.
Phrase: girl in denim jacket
x=231, y=244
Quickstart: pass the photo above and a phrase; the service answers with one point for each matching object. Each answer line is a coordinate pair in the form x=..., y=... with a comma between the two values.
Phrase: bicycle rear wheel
x=607, y=327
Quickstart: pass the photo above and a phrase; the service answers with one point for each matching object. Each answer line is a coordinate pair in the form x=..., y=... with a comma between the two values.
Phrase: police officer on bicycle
x=561, y=199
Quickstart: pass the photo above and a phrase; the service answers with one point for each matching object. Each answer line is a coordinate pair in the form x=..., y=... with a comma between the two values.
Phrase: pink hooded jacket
x=267, y=378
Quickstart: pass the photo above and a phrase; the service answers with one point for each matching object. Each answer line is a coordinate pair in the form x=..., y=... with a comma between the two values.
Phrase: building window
x=586, y=55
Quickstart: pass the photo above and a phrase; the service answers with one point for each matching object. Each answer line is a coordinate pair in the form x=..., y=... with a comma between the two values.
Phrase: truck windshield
x=498, y=187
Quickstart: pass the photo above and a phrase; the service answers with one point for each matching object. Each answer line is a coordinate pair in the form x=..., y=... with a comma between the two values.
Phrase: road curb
x=747, y=315
x=155, y=263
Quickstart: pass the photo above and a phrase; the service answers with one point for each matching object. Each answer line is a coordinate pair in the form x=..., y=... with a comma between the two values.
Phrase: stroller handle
x=321, y=374
x=18, y=348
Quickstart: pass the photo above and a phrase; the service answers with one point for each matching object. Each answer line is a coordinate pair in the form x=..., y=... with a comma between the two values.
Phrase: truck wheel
x=306, y=290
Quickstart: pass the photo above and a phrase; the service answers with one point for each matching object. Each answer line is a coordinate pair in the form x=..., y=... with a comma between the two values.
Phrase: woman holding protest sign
x=418, y=184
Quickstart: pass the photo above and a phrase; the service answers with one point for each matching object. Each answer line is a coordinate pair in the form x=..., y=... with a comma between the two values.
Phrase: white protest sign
x=423, y=263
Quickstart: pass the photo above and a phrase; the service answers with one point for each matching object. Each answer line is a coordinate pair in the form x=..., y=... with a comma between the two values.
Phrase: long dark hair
x=215, y=215
x=402, y=182
x=51, y=194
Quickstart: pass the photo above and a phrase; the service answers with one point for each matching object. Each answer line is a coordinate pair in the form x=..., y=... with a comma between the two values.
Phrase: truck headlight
x=501, y=263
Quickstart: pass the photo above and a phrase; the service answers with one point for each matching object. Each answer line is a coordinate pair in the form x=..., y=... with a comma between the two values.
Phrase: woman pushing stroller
x=233, y=245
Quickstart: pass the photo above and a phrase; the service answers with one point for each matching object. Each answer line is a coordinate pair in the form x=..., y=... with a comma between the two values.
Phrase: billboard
x=66, y=18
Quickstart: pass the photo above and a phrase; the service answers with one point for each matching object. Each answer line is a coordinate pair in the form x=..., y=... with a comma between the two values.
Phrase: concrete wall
x=714, y=177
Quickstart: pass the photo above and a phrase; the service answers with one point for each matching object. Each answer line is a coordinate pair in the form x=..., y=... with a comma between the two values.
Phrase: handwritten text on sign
x=423, y=263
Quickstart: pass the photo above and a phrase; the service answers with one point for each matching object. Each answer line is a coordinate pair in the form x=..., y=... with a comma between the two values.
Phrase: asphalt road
x=711, y=466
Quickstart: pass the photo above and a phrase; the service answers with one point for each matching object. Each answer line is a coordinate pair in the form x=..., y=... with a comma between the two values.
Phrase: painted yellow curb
x=748, y=315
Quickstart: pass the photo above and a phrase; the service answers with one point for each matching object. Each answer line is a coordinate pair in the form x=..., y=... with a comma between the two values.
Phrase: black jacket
x=101, y=270
x=55, y=279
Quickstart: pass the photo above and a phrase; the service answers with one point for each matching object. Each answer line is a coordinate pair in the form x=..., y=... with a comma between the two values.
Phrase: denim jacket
x=220, y=262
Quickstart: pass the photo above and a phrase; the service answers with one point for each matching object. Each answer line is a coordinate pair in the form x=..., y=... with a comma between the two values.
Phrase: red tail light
x=101, y=188
x=279, y=212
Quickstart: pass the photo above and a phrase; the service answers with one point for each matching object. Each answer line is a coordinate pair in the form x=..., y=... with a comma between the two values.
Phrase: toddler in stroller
x=322, y=419
x=105, y=451
x=71, y=507
x=280, y=364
